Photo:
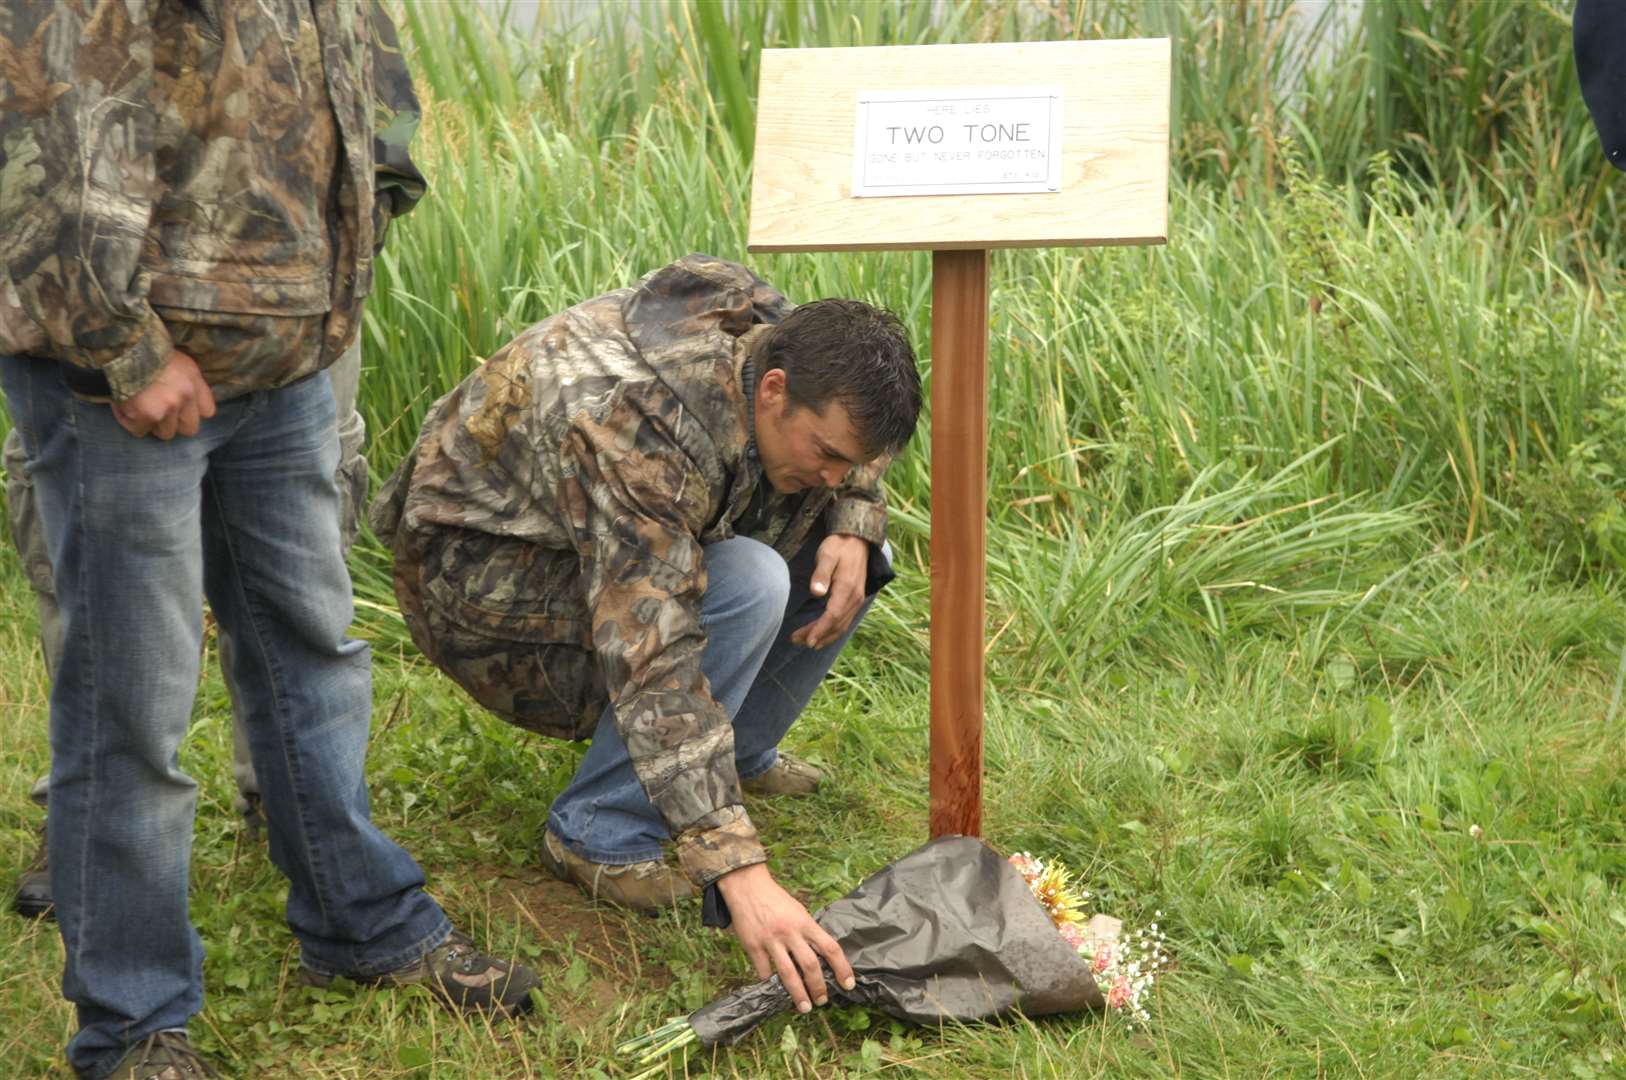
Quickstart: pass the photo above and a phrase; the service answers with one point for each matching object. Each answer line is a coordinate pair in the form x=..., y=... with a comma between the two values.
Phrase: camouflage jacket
x=195, y=174
x=617, y=437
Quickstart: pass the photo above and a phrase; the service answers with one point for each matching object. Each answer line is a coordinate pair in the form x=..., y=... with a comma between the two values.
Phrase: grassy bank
x=1305, y=617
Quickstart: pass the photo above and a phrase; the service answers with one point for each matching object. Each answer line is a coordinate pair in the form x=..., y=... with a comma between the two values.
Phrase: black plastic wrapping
x=949, y=932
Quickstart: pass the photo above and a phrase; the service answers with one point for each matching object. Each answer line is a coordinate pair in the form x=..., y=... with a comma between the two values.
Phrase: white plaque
x=964, y=141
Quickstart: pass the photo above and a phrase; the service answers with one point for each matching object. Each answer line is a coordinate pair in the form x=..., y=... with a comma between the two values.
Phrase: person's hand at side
x=174, y=403
x=779, y=935
x=838, y=576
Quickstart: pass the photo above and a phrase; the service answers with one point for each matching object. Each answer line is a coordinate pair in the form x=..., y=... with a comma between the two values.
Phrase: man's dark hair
x=851, y=352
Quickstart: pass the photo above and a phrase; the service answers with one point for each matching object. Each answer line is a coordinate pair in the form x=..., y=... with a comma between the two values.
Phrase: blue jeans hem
x=655, y=854
x=598, y=855
x=773, y=759
x=403, y=957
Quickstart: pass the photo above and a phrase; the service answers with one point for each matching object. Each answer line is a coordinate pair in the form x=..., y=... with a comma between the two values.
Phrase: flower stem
x=655, y=1046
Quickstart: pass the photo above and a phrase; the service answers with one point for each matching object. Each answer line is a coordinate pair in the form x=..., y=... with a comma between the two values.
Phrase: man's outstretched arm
x=641, y=510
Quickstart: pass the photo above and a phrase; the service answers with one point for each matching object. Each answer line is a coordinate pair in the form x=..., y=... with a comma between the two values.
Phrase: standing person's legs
x=351, y=477
x=754, y=601
x=122, y=525
x=277, y=582
x=32, y=895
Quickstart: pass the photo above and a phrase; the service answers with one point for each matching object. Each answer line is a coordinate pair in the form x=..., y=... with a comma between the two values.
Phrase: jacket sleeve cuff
x=863, y=518
x=706, y=854
x=129, y=371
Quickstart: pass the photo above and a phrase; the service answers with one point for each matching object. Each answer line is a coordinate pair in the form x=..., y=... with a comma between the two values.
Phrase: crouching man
x=653, y=520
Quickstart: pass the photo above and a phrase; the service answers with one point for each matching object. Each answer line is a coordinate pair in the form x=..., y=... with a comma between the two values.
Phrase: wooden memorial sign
x=959, y=149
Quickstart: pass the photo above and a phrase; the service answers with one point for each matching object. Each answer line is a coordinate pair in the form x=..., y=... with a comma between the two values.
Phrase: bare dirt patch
x=590, y=958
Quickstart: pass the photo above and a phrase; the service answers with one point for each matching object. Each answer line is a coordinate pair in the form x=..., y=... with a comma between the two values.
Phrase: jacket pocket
x=299, y=293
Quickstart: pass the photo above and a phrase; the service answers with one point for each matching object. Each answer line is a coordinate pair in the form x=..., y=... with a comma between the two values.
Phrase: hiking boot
x=32, y=900
x=788, y=775
x=460, y=975
x=641, y=886
x=163, y=1055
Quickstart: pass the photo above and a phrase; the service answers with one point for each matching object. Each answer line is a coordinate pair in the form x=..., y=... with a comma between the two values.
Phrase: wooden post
x=959, y=536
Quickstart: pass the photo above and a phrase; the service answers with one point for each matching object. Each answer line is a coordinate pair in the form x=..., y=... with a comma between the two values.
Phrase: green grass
x=1305, y=619
x=1366, y=869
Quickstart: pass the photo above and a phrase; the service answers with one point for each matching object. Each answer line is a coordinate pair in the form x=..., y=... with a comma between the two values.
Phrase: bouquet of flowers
x=953, y=931
x=1126, y=969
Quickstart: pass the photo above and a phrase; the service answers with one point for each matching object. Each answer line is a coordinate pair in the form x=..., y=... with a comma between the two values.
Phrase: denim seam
x=617, y=858
x=86, y=918
x=407, y=954
x=772, y=761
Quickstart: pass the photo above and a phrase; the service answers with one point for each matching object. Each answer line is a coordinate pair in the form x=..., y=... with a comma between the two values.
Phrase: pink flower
x=1119, y=995
x=1103, y=957
x=1074, y=936
x=1026, y=865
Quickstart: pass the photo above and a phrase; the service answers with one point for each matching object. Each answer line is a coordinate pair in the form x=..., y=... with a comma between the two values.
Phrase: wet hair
x=853, y=353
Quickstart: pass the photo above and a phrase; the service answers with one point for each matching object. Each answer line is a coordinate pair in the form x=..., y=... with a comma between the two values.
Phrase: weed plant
x=1305, y=536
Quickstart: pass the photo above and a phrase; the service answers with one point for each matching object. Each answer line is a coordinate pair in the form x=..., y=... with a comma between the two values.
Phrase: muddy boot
x=641, y=886
x=459, y=974
x=788, y=775
x=165, y=1055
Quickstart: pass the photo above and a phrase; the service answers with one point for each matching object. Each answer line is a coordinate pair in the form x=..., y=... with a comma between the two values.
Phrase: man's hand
x=779, y=935
x=838, y=576
x=172, y=404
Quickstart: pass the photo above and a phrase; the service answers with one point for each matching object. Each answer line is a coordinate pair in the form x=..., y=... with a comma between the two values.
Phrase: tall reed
x=1371, y=369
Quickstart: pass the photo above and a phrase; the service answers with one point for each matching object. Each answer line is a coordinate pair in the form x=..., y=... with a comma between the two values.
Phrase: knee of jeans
x=746, y=576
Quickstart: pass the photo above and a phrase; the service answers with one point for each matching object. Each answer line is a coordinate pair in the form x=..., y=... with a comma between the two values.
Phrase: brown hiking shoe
x=786, y=776
x=32, y=900
x=642, y=886
x=163, y=1055
x=460, y=975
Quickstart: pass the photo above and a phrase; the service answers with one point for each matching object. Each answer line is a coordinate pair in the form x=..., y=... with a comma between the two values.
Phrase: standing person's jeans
x=754, y=601
x=139, y=530
x=351, y=476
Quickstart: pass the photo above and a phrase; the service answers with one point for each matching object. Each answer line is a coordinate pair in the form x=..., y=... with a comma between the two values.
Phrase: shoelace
x=464, y=957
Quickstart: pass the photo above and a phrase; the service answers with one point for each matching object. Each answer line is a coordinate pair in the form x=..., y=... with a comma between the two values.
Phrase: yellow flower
x=1055, y=890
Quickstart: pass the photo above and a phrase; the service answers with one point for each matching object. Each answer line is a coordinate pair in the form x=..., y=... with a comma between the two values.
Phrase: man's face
x=799, y=448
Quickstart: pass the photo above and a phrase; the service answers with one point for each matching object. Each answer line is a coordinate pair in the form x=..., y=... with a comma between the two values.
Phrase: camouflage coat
x=195, y=174
x=549, y=524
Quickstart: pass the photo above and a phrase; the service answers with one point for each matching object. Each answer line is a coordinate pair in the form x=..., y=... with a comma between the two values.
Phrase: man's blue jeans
x=139, y=531
x=754, y=601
